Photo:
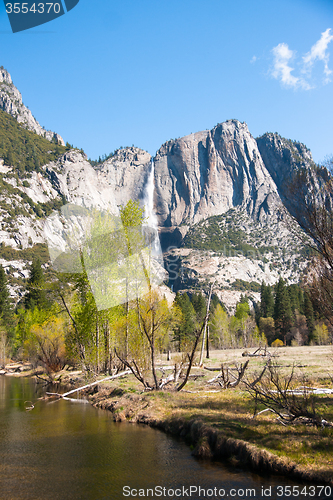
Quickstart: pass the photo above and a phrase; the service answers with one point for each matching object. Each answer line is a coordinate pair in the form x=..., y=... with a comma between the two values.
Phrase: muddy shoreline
x=207, y=442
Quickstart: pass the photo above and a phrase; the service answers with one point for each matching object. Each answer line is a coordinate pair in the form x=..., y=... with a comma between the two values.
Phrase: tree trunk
x=205, y=325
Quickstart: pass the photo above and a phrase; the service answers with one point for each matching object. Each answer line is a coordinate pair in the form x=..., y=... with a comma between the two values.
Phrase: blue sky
x=110, y=74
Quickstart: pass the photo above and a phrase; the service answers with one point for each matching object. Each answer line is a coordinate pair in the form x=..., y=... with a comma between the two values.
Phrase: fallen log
x=112, y=377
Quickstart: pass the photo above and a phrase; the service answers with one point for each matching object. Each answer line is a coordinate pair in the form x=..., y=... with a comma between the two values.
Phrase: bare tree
x=223, y=377
x=196, y=341
x=312, y=209
x=286, y=396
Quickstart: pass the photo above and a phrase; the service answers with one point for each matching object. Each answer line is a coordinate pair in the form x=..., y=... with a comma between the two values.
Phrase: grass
x=231, y=411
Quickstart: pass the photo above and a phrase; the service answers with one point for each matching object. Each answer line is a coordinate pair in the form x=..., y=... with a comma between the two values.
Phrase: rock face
x=11, y=103
x=113, y=183
x=285, y=161
x=210, y=172
x=216, y=186
x=74, y=180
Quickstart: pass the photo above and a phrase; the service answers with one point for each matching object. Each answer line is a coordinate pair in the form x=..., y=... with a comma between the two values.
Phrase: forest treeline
x=24, y=150
x=57, y=323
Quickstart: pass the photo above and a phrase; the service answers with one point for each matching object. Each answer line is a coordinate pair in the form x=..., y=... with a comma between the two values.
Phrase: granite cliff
x=209, y=172
x=221, y=198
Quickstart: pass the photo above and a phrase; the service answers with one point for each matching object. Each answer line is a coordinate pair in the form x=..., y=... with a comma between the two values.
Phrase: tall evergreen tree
x=282, y=310
x=267, y=301
x=214, y=302
x=36, y=296
x=199, y=304
x=295, y=294
x=6, y=311
x=309, y=314
x=185, y=330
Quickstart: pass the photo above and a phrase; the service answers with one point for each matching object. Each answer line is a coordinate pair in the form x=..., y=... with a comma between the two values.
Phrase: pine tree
x=309, y=314
x=199, y=304
x=185, y=330
x=282, y=310
x=214, y=303
x=6, y=311
x=267, y=301
x=36, y=296
x=295, y=296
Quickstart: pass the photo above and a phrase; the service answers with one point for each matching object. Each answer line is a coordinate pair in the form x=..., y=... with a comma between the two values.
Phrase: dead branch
x=122, y=374
x=285, y=397
x=196, y=342
x=134, y=368
x=173, y=377
x=166, y=381
x=261, y=374
x=260, y=352
x=223, y=377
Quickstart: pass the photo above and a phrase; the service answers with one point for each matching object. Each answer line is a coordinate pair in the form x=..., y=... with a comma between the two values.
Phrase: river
x=61, y=450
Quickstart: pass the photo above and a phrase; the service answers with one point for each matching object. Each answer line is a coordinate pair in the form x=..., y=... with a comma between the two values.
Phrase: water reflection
x=66, y=451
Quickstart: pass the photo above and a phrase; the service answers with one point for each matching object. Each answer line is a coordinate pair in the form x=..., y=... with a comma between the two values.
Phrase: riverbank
x=68, y=377
x=219, y=424
x=220, y=427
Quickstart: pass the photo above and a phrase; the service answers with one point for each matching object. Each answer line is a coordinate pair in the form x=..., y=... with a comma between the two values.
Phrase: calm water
x=70, y=451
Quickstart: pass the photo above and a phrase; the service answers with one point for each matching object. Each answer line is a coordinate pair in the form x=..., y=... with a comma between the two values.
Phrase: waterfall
x=114, y=277
x=151, y=219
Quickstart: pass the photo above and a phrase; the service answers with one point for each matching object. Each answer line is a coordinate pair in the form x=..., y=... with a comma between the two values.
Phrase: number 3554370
x=35, y=8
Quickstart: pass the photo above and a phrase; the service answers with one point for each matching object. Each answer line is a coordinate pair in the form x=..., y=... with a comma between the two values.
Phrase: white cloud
x=253, y=60
x=284, y=72
x=319, y=52
x=282, y=69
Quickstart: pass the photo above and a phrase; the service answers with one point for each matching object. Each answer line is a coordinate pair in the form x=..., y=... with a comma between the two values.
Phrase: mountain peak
x=5, y=76
x=11, y=103
x=210, y=172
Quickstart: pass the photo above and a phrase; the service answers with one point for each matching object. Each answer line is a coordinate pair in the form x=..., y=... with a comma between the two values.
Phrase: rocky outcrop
x=11, y=103
x=207, y=173
x=113, y=183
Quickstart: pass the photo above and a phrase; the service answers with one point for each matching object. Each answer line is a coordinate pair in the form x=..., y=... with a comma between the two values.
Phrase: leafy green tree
x=220, y=334
x=242, y=310
x=244, y=324
x=46, y=343
x=25, y=318
x=320, y=334
x=7, y=323
x=154, y=319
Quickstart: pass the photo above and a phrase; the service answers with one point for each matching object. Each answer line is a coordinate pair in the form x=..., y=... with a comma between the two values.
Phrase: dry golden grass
x=314, y=361
x=231, y=411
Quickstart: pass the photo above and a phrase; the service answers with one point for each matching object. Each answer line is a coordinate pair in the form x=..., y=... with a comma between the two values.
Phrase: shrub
x=277, y=343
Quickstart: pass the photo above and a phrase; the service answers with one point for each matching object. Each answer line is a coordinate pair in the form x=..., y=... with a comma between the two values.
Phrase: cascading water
x=157, y=270
x=151, y=219
x=116, y=275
